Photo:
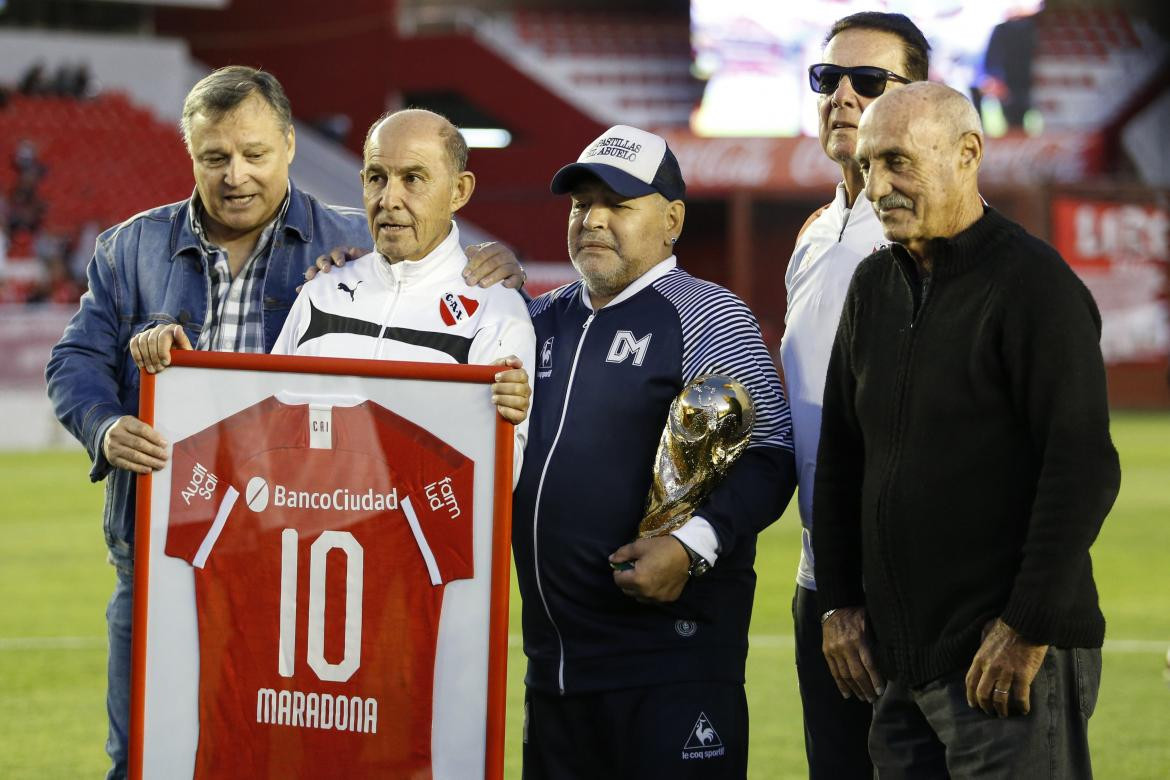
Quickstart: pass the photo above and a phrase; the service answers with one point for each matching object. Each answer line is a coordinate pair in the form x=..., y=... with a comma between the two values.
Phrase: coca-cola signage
x=796, y=165
x=809, y=167
x=1024, y=160
x=722, y=163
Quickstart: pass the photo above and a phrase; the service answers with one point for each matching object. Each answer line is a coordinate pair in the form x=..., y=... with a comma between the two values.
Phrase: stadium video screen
x=754, y=55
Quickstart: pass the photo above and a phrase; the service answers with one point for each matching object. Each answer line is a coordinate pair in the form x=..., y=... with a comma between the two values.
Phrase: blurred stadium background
x=1075, y=98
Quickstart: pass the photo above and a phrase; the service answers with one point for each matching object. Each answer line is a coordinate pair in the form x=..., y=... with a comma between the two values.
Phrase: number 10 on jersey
x=318, y=558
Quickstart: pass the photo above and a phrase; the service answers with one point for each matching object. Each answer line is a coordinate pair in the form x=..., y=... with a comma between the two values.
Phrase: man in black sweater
x=965, y=469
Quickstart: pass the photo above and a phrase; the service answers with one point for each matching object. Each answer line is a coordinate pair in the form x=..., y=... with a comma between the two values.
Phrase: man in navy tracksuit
x=638, y=671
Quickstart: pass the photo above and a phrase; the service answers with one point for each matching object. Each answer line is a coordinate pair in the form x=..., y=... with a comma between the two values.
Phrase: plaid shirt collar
x=195, y=220
x=235, y=304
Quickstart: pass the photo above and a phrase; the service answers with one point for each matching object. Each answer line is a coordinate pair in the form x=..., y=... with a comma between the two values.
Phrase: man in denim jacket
x=219, y=270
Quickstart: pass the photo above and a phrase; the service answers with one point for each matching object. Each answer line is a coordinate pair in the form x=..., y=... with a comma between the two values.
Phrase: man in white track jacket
x=407, y=300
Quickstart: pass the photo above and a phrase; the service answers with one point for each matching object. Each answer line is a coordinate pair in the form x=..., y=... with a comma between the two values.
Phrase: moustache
x=895, y=200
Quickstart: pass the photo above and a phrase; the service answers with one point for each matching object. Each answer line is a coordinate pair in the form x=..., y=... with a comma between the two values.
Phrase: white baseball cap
x=630, y=161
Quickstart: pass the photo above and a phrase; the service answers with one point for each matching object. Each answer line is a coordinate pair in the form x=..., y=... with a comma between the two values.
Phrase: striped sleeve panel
x=538, y=304
x=720, y=335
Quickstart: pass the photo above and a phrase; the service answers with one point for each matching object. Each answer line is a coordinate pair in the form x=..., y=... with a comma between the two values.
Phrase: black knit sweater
x=965, y=462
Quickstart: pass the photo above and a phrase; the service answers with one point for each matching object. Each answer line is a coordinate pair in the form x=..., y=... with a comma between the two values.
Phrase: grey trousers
x=930, y=732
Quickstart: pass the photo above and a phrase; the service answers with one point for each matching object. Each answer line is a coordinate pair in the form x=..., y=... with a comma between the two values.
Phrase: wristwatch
x=699, y=565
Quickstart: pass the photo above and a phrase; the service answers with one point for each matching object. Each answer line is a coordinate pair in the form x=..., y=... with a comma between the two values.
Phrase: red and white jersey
x=321, y=537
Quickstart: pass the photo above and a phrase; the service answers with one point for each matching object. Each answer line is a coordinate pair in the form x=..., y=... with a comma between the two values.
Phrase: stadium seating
x=1089, y=64
x=635, y=69
x=583, y=33
x=106, y=158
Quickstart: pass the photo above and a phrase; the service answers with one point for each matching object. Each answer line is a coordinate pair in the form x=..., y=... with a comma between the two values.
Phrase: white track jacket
x=411, y=310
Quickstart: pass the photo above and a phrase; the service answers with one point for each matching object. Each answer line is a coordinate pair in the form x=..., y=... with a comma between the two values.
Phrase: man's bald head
x=919, y=148
x=414, y=179
x=426, y=121
x=948, y=110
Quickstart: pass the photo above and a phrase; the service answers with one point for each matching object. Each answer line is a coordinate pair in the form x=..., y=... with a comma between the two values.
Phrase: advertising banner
x=1120, y=250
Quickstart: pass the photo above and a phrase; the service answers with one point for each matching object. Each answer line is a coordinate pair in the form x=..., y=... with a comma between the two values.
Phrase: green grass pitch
x=54, y=584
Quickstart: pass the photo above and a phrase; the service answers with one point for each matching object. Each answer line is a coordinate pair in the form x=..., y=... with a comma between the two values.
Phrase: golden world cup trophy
x=708, y=427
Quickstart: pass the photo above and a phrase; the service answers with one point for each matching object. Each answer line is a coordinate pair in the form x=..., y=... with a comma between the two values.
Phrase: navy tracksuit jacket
x=603, y=384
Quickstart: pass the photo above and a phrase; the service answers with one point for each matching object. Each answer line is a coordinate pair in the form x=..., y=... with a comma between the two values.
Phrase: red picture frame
x=500, y=535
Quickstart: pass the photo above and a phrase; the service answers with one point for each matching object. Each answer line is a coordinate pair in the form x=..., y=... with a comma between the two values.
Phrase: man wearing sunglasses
x=865, y=55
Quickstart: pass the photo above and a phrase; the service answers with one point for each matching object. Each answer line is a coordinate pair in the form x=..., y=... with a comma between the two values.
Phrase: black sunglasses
x=867, y=80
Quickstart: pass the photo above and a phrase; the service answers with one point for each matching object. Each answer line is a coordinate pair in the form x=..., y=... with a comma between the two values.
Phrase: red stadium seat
x=105, y=159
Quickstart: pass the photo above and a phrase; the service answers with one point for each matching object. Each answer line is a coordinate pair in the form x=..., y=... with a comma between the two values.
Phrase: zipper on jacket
x=844, y=225
x=536, y=506
x=391, y=305
x=920, y=302
x=892, y=461
x=920, y=292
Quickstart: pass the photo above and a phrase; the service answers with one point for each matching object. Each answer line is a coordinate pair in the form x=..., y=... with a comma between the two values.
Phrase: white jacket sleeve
x=507, y=330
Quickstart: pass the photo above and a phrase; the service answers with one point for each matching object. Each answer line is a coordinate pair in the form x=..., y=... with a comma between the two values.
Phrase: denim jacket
x=147, y=271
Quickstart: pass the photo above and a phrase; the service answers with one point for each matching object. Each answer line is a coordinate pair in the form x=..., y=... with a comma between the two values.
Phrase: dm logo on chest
x=625, y=345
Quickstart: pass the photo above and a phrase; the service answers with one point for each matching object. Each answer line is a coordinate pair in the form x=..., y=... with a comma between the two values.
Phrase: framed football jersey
x=321, y=571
